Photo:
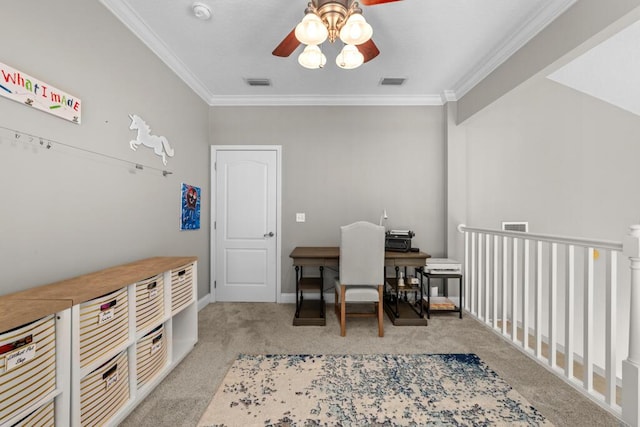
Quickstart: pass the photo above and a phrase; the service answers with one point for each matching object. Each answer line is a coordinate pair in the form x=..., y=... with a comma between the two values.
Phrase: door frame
x=214, y=199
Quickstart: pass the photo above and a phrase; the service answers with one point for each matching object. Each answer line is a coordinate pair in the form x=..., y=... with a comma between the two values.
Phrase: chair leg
x=343, y=311
x=380, y=310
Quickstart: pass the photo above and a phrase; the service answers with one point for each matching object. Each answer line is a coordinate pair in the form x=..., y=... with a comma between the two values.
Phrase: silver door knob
x=269, y=234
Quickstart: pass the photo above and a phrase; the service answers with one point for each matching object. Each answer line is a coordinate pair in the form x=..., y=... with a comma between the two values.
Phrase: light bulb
x=311, y=31
x=349, y=58
x=356, y=30
x=312, y=57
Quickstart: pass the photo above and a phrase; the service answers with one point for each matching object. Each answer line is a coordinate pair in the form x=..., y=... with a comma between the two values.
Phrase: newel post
x=631, y=366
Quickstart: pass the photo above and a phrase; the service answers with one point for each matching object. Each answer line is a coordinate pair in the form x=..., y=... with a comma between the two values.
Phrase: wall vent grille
x=392, y=81
x=258, y=82
x=515, y=226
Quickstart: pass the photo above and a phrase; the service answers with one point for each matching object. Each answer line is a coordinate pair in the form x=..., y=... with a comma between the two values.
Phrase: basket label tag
x=105, y=316
x=156, y=344
x=153, y=290
x=19, y=357
x=111, y=380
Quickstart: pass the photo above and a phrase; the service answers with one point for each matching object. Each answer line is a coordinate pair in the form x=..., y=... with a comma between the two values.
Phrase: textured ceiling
x=441, y=47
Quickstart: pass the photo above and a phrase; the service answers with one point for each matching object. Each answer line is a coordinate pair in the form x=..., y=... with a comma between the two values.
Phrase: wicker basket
x=27, y=366
x=181, y=287
x=104, y=391
x=149, y=302
x=151, y=353
x=104, y=324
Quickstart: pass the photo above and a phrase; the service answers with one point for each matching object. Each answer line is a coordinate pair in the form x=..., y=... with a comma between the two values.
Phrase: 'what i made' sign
x=25, y=89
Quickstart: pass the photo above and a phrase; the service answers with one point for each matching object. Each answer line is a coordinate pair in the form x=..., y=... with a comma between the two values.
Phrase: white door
x=245, y=227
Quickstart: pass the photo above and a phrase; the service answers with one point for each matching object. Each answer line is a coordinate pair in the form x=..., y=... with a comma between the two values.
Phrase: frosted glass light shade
x=356, y=30
x=312, y=57
x=349, y=58
x=311, y=30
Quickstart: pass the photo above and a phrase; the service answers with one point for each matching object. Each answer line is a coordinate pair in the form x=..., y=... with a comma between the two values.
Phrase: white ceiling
x=610, y=71
x=442, y=47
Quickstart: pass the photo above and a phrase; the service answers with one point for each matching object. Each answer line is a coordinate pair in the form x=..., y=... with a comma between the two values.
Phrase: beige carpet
x=366, y=390
x=229, y=329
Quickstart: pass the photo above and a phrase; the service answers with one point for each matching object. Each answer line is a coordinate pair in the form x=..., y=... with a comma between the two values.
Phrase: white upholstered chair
x=361, y=271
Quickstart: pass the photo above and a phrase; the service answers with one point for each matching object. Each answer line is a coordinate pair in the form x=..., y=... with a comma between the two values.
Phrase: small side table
x=444, y=276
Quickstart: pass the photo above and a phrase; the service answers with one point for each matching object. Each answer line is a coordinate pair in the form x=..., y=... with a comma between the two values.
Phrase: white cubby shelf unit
x=100, y=342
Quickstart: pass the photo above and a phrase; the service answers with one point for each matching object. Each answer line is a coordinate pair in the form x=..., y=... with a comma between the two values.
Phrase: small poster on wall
x=190, y=218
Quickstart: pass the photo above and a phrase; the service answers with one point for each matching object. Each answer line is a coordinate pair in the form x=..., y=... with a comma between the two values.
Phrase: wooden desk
x=329, y=256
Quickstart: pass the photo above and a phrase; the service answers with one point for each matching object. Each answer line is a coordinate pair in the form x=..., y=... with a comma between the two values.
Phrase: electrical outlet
x=300, y=217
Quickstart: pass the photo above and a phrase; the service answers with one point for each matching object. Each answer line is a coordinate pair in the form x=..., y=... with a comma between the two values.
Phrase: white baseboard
x=204, y=301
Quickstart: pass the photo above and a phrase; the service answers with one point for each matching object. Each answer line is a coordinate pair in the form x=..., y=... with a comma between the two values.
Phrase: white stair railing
x=540, y=291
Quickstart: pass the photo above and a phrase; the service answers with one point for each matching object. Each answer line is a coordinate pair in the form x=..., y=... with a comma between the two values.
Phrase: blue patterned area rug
x=366, y=390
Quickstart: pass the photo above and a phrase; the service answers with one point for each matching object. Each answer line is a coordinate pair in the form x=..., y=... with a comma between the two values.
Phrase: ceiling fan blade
x=288, y=45
x=369, y=50
x=375, y=2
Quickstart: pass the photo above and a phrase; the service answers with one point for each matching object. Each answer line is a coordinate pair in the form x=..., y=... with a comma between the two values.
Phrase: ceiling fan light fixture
x=356, y=30
x=349, y=58
x=311, y=30
x=312, y=57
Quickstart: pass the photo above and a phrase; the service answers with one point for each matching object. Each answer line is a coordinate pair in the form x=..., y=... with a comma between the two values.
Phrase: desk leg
x=297, y=290
x=428, y=297
x=321, y=291
x=397, y=312
x=460, y=291
x=419, y=272
x=384, y=283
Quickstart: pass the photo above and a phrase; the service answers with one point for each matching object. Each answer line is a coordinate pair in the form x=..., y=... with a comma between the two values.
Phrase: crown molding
x=509, y=46
x=327, y=100
x=449, y=96
x=136, y=25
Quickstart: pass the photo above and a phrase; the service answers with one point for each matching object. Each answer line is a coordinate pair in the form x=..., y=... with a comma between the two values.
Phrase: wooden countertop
x=17, y=312
x=25, y=306
x=301, y=252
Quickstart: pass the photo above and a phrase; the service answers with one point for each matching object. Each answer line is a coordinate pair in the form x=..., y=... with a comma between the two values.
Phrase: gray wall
x=560, y=159
x=344, y=164
x=66, y=212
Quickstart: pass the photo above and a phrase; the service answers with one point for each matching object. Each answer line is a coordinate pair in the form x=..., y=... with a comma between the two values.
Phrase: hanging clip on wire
x=48, y=144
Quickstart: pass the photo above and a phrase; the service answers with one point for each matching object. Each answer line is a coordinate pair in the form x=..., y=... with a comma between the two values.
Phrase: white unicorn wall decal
x=159, y=144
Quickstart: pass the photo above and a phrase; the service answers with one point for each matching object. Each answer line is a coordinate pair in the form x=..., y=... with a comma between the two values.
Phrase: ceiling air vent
x=392, y=81
x=258, y=82
x=515, y=226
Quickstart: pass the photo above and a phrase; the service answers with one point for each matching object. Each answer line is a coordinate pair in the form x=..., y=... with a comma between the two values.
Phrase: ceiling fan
x=332, y=19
